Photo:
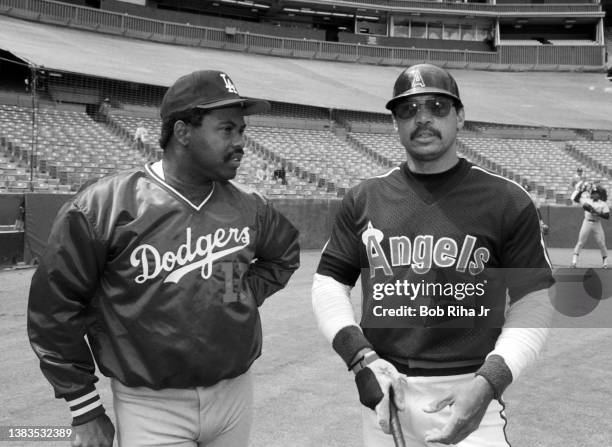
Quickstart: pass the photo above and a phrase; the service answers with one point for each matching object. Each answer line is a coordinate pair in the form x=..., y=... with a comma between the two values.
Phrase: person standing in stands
x=163, y=269
x=140, y=137
x=578, y=177
x=261, y=173
x=102, y=114
x=280, y=174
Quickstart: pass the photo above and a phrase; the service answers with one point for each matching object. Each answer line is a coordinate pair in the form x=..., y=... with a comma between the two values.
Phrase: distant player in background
x=420, y=236
x=21, y=217
x=593, y=200
x=578, y=177
x=545, y=229
x=163, y=269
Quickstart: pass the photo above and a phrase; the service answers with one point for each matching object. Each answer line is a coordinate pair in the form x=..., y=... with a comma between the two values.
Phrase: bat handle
x=394, y=422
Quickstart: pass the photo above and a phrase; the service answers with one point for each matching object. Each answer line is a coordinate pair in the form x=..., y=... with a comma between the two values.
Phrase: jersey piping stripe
x=325, y=246
x=386, y=174
x=153, y=172
x=542, y=243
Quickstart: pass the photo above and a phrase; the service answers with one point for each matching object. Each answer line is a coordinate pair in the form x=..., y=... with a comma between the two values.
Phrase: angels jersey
x=431, y=249
x=166, y=290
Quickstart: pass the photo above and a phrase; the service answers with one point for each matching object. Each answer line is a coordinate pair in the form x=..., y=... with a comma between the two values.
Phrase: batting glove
x=374, y=376
x=588, y=207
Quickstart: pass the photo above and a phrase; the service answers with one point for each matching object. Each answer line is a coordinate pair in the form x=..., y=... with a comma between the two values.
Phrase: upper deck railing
x=495, y=9
x=48, y=11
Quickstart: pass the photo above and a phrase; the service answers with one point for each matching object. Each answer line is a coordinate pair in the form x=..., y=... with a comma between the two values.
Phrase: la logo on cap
x=229, y=85
x=417, y=80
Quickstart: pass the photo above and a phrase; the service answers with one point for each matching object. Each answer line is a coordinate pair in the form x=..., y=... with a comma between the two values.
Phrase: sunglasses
x=438, y=107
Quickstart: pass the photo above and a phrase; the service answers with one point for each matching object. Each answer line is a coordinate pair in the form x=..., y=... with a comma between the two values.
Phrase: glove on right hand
x=373, y=384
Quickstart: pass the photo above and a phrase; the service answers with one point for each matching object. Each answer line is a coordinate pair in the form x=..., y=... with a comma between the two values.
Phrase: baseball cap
x=207, y=89
x=422, y=79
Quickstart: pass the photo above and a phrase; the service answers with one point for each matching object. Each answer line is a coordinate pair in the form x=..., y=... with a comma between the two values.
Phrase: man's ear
x=460, y=118
x=394, y=122
x=182, y=132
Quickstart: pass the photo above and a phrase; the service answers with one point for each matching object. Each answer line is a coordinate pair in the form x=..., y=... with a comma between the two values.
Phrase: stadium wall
x=313, y=218
x=12, y=248
x=11, y=242
x=9, y=207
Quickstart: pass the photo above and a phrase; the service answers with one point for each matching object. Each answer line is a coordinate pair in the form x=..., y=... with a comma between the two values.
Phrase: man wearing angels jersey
x=163, y=268
x=439, y=244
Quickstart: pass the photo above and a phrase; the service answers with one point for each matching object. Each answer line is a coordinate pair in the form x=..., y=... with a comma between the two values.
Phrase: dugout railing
x=552, y=57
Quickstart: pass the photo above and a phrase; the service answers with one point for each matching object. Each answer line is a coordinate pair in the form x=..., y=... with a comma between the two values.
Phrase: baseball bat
x=394, y=422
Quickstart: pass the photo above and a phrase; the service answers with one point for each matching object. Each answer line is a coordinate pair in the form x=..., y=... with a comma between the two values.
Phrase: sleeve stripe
x=79, y=400
x=84, y=404
x=97, y=403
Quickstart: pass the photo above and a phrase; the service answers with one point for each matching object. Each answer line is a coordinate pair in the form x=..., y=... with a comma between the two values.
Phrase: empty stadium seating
x=545, y=166
x=329, y=157
x=72, y=148
x=299, y=186
x=598, y=153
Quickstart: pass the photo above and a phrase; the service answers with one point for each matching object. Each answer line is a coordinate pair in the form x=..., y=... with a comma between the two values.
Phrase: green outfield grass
x=304, y=395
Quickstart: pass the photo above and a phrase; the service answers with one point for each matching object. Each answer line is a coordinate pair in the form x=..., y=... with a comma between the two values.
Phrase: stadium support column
x=33, y=93
x=601, y=40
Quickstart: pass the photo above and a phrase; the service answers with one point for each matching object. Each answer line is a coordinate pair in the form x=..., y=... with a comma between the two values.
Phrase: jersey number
x=232, y=272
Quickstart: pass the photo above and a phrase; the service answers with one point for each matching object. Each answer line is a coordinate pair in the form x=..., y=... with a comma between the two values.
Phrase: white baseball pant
x=586, y=229
x=215, y=416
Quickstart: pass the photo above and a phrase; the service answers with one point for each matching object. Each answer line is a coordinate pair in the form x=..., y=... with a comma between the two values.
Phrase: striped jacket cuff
x=85, y=406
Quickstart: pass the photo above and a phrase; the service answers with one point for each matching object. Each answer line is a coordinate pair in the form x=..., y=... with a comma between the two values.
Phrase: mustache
x=425, y=127
x=231, y=155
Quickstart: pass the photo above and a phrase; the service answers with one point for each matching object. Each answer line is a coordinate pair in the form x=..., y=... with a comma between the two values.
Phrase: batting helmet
x=421, y=79
x=603, y=194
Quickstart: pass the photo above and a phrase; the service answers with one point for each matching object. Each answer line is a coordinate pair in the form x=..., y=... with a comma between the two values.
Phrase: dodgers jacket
x=166, y=291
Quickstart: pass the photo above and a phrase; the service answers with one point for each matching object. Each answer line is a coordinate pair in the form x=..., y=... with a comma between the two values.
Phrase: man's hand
x=98, y=432
x=373, y=384
x=468, y=404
